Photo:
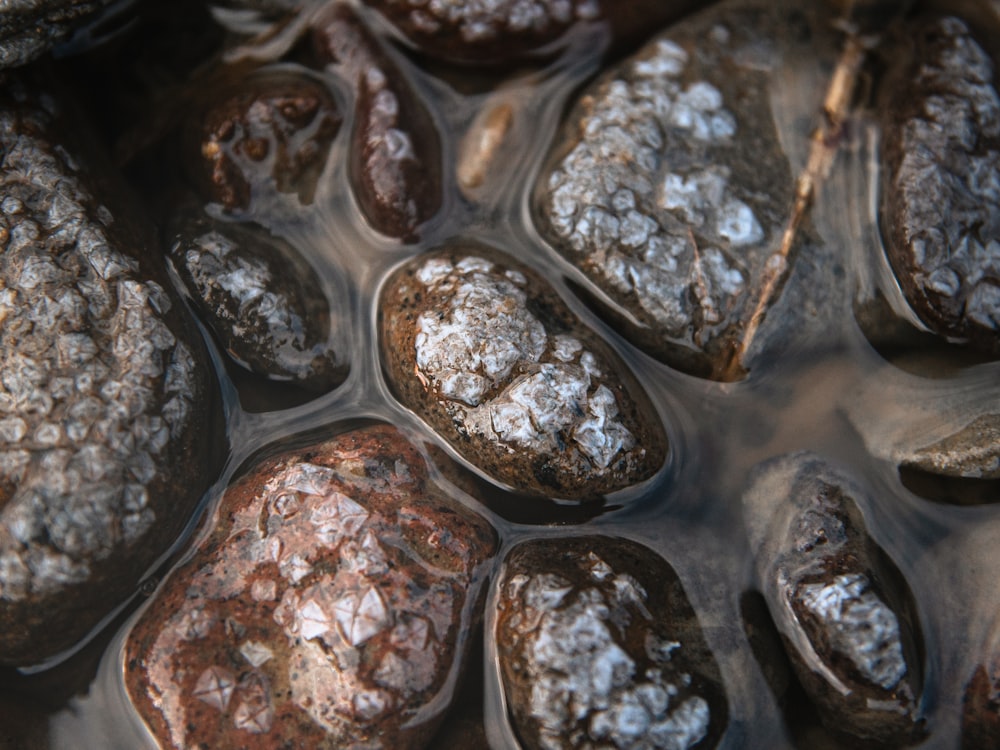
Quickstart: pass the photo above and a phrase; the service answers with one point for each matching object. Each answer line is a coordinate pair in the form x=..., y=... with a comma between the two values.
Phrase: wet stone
x=669, y=189
x=261, y=299
x=981, y=704
x=106, y=436
x=843, y=609
x=269, y=131
x=502, y=31
x=28, y=28
x=941, y=181
x=599, y=647
x=395, y=155
x=483, y=349
x=972, y=452
x=330, y=607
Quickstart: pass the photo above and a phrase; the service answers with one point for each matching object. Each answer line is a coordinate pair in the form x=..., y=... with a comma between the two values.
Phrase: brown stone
x=843, y=609
x=474, y=32
x=106, y=417
x=270, y=131
x=330, y=607
x=260, y=298
x=668, y=186
x=487, y=353
x=940, y=213
x=599, y=647
x=395, y=156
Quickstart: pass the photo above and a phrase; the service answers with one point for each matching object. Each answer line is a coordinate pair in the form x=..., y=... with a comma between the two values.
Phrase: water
x=825, y=388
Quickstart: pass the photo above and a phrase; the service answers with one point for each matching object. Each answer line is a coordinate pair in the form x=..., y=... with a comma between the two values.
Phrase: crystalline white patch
x=312, y=621
x=255, y=718
x=256, y=653
x=579, y=673
x=637, y=248
x=361, y=617
x=860, y=625
x=486, y=332
x=215, y=687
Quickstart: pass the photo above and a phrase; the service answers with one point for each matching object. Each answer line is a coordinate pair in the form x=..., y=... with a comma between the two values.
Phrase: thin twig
x=825, y=142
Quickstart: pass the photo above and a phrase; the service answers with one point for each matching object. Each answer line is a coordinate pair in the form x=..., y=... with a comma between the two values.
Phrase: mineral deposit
x=484, y=350
x=330, y=607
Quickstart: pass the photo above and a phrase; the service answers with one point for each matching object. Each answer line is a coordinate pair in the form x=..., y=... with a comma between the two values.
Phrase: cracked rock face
x=330, y=607
x=105, y=419
x=486, y=352
x=499, y=31
x=843, y=609
x=941, y=184
x=395, y=157
x=599, y=648
x=261, y=299
x=669, y=189
x=269, y=132
x=28, y=28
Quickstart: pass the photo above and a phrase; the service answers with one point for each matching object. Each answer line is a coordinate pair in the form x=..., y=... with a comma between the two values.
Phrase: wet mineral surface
x=733, y=168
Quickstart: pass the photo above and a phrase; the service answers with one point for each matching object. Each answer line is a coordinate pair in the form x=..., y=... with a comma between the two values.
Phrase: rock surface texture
x=486, y=352
x=668, y=188
x=262, y=301
x=844, y=612
x=330, y=607
x=29, y=28
x=105, y=418
x=502, y=31
x=599, y=648
x=941, y=183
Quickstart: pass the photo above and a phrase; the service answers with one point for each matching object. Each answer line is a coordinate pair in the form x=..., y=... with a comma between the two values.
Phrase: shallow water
x=824, y=388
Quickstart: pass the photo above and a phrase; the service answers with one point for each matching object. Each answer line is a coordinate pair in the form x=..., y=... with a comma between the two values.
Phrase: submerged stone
x=330, y=607
x=395, y=156
x=844, y=611
x=669, y=187
x=483, y=349
x=29, y=28
x=270, y=131
x=502, y=31
x=105, y=412
x=261, y=299
x=598, y=646
x=940, y=213
x=981, y=702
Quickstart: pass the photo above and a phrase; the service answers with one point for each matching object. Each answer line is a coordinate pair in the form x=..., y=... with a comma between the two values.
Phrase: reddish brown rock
x=981, y=704
x=599, y=647
x=269, y=131
x=330, y=607
x=484, y=350
x=106, y=394
x=843, y=610
x=395, y=157
x=941, y=180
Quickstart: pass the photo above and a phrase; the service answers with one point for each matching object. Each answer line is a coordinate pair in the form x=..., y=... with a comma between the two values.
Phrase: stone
x=844, y=611
x=395, y=156
x=330, y=606
x=107, y=415
x=265, y=133
x=598, y=646
x=940, y=202
x=260, y=298
x=981, y=701
x=487, y=353
x=504, y=31
x=29, y=28
x=669, y=189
